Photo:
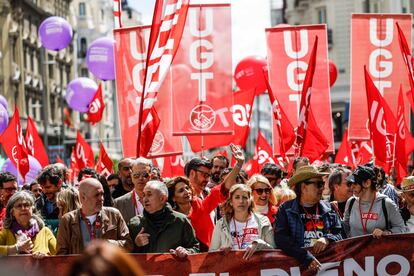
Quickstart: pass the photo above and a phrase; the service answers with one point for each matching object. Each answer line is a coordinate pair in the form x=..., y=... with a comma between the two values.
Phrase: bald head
x=91, y=196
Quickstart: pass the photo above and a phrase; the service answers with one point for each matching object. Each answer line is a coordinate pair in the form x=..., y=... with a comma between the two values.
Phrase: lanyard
x=134, y=199
x=239, y=244
x=92, y=228
x=364, y=226
x=308, y=215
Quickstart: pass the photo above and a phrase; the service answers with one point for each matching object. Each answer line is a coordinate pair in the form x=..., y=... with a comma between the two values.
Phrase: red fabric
x=83, y=153
x=14, y=145
x=96, y=107
x=345, y=155
x=382, y=125
x=271, y=214
x=59, y=160
x=104, y=165
x=73, y=166
x=286, y=132
x=305, y=102
x=35, y=144
x=200, y=214
x=262, y=154
x=173, y=166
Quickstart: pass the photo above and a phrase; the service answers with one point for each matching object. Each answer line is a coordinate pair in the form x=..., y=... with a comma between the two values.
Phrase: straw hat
x=304, y=173
x=407, y=184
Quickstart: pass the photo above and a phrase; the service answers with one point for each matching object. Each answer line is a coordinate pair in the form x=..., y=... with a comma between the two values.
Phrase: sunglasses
x=319, y=184
x=205, y=174
x=260, y=191
x=138, y=175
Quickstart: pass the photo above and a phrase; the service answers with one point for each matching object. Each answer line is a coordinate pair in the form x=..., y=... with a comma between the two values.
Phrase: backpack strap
x=384, y=210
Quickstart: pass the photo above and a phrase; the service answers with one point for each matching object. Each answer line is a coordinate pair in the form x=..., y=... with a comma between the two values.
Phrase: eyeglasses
x=138, y=175
x=319, y=184
x=11, y=189
x=20, y=206
x=205, y=174
x=260, y=191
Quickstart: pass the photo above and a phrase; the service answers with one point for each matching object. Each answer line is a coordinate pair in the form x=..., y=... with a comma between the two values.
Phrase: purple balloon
x=3, y=102
x=34, y=169
x=79, y=93
x=55, y=33
x=4, y=119
x=100, y=58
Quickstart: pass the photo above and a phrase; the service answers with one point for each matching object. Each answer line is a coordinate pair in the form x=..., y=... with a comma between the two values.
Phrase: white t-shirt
x=91, y=219
x=247, y=232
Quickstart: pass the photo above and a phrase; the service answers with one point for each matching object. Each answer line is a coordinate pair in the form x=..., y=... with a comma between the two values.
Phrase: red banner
x=374, y=44
x=288, y=54
x=202, y=72
x=83, y=153
x=35, y=144
x=130, y=53
x=390, y=255
x=96, y=107
x=104, y=164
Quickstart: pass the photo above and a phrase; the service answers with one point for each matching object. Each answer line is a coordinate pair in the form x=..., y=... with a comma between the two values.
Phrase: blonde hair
x=70, y=199
x=284, y=194
x=256, y=178
x=228, y=209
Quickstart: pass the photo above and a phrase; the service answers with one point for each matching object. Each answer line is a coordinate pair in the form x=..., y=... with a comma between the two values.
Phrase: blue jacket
x=289, y=229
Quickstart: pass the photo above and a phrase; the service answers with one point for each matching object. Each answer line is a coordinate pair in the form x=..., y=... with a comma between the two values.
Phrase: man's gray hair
x=158, y=185
x=142, y=161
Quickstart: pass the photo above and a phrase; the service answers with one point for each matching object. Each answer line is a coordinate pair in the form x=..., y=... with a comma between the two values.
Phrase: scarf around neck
x=31, y=232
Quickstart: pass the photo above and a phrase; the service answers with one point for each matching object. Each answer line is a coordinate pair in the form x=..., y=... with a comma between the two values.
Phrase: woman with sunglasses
x=241, y=228
x=25, y=232
x=263, y=196
x=182, y=197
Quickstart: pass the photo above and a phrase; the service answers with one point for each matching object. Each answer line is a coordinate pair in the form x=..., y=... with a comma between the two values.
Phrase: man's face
x=312, y=189
x=93, y=199
x=153, y=200
x=218, y=166
x=199, y=177
x=272, y=179
x=36, y=190
x=125, y=169
x=9, y=188
x=409, y=199
x=141, y=174
x=112, y=183
x=50, y=190
x=342, y=191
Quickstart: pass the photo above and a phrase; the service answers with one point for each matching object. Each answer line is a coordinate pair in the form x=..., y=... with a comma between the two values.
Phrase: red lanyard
x=237, y=233
x=94, y=226
x=134, y=199
x=308, y=215
x=364, y=226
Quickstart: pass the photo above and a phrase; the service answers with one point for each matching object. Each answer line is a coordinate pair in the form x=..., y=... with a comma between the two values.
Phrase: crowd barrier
x=390, y=255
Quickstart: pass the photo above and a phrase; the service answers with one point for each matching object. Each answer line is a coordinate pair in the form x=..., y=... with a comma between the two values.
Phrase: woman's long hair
x=171, y=188
x=70, y=199
x=22, y=195
x=262, y=179
x=228, y=207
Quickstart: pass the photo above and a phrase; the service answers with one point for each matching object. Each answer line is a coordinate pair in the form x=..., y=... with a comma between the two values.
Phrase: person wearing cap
x=407, y=189
x=370, y=212
x=306, y=220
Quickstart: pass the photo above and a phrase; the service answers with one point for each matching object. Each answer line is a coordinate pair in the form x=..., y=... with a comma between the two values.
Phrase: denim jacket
x=289, y=229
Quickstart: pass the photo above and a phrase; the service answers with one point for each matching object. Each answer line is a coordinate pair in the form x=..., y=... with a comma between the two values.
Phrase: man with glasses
x=124, y=173
x=8, y=186
x=130, y=204
x=307, y=220
x=198, y=172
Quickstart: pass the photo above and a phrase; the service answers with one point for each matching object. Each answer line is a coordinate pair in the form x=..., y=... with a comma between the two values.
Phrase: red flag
x=34, y=143
x=14, y=144
x=408, y=60
x=345, y=155
x=305, y=101
x=97, y=106
x=315, y=143
x=68, y=119
x=362, y=151
x=104, y=165
x=240, y=113
x=83, y=153
x=382, y=125
x=251, y=167
x=59, y=160
x=173, y=166
x=284, y=126
x=263, y=153
x=73, y=166
x=166, y=31
x=221, y=153
x=401, y=157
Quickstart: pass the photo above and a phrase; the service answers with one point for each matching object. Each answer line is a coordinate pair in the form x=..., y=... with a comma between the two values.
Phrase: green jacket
x=176, y=231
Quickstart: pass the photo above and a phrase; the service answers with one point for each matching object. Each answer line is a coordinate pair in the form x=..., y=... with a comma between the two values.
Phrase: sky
x=249, y=19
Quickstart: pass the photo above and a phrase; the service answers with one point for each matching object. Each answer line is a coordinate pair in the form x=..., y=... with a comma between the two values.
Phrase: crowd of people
x=211, y=207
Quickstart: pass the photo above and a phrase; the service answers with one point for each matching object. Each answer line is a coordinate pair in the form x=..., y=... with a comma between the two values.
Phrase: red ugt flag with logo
x=104, y=165
x=97, y=106
x=83, y=153
x=35, y=144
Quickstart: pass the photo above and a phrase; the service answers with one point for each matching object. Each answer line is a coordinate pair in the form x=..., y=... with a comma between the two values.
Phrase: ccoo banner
x=288, y=53
x=375, y=44
x=202, y=72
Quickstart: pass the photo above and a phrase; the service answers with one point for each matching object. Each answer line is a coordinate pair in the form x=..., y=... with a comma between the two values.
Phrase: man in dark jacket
x=306, y=221
x=160, y=229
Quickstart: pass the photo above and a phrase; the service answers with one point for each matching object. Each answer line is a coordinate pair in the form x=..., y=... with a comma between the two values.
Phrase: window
x=322, y=15
x=84, y=72
x=83, y=47
x=102, y=15
x=82, y=11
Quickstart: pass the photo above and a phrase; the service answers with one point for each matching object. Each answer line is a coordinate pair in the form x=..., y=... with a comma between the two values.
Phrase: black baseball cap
x=361, y=173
